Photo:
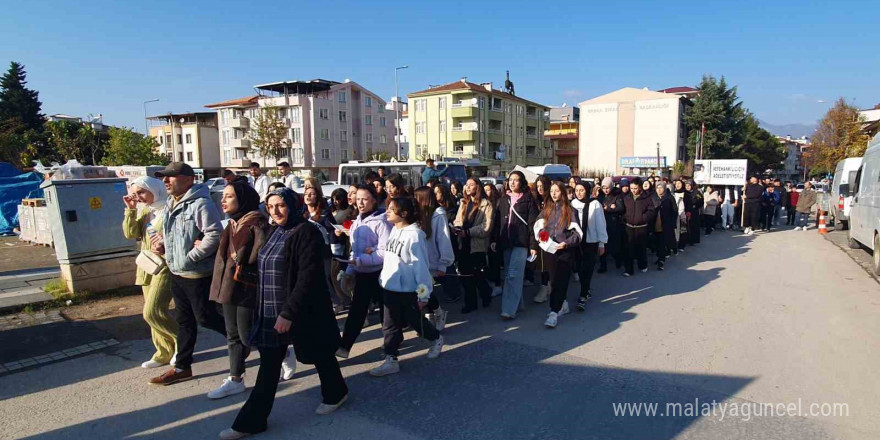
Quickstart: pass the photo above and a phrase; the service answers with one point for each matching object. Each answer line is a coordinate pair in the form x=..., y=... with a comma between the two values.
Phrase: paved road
x=777, y=318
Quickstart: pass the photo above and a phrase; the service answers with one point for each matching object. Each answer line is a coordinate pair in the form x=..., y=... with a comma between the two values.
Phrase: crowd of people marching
x=276, y=276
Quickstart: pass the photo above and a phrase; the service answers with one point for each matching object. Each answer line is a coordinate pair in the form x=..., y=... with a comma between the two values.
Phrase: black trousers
x=493, y=272
x=238, y=326
x=560, y=276
x=402, y=308
x=636, y=247
x=790, y=211
x=752, y=215
x=589, y=258
x=709, y=223
x=253, y=416
x=767, y=217
x=473, y=278
x=366, y=289
x=193, y=309
x=661, y=245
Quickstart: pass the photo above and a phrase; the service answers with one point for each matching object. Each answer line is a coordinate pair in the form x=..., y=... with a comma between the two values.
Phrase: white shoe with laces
x=389, y=366
x=436, y=347
x=325, y=408
x=439, y=319
x=565, y=309
x=288, y=365
x=151, y=364
x=228, y=388
x=231, y=434
x=541, y=296
x=552, y=320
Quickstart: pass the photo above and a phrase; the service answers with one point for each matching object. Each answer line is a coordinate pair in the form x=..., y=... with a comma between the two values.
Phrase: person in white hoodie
x=434, y=223
x=407, y=283
x=592, y=222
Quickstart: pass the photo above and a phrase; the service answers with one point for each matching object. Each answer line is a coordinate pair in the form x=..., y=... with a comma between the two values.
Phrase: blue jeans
x=802, y=219
x=514, y=268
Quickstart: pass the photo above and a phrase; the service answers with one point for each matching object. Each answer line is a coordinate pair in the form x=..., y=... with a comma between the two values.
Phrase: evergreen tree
x=19, y=103
x=719, y=108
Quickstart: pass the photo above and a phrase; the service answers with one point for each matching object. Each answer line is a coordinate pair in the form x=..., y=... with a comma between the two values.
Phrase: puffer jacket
x=193, y=217
x=369, y=231
x=806, y=200
x=480, y=230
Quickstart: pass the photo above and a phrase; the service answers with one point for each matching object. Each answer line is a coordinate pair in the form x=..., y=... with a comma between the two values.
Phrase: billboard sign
x=721, y=171
x=642, y=162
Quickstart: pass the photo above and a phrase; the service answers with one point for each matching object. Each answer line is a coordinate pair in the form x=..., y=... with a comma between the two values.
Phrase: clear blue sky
x=108, y=57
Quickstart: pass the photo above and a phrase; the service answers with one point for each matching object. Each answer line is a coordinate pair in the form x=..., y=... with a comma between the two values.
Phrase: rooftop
x=463, y=84
x=684, y=89
x=298, y=87
x=246, y=101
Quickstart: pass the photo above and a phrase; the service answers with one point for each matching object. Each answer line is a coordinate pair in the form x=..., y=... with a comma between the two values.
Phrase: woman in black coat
x=293, y=305
x=612, y=205
x=696, y=210
x=667, y=210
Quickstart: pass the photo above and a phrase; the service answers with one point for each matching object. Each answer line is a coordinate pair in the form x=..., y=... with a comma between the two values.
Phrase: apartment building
x=562, y=132
x=327, y=123
x=188, y=137
x=478, y=124
x=400, y=109
x=793, y=166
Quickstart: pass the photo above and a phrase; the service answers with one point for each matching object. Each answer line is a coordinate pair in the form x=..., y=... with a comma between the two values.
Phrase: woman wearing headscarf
x=612, y=206
x=685, y=200
x=236, y=282
x=140, y=224
x=293, y=305
x=668, y=220
x=696, y=210
x=595, y=235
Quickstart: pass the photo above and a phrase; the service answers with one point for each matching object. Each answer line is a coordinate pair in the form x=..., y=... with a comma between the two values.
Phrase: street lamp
x=397, y=110
x=146, y=126
x=659, y=170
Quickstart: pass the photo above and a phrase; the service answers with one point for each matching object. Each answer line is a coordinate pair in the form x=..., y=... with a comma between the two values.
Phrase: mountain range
x=793, y=130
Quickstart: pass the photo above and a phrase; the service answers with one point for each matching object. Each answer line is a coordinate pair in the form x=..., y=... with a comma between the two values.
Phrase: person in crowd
x=369, y=234
x=805, y=203
x=769, y=202
x=684, y=200
x=695, y=209
x=381, y=171
x=784, y=201
x=493, y=270
x=597, y=182
x=432, y=173
x=793, y=198
x=624, y=186
x=235, y=283
x=573, y=182
x=727, y=209
x=319, y=213
x=668, y=220
x=559, y=232
x=569, y=194
x=293, y=306
x=639, y=216
x=344, y=214
x=512, y=235
x=473, y=228
x=406, y=282
x=613, y=207
x=653, y=229
x=229, y=176
x=595, y=236
x=433, y=183
x=189, y=240
x=542, y=191
x=434, y=222
x=457, y=191
x=285, y=176
x=395, y=186
x=451, y=284
x=752, y=195
x=378, y=184
x=259, y=180
x=648, y=187
x=408, y=191
x=141, y=224
x=711, y=201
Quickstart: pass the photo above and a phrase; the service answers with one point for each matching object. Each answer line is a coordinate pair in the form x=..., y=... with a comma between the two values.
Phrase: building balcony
x=241, y=122
x=464, y=135
x=496, y=137
x=565, y=133
x=532, y=115
x=496, y=115
x=531, y=142
x=466, y=126
x=531, y=135
x=240, y=144
x=285, y=122
x=464, y=112
x=239, y=163
x=465, y=103
x=566, y=153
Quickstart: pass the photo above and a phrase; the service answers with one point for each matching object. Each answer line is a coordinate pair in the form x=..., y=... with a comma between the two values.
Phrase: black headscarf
x=248, y=199
x=295, y=207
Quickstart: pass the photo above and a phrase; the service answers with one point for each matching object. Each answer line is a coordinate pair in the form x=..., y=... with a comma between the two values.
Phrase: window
x=324, y=113
x=168, y=140
x=368, y=120
x=343, y=135
x=295, y=135
x=159, y=139
x=298, y=155
x=179, y=139
x=368, y=101
x=382, y=139
x=226, y=156
x=442, y=126
x=381, y=109
x=420, y=127
x=295, y=113
x=225, y=137
x=344, y=155
x=482, y=102
x=189, y=138
x=343, y=116
x=458, y=148
x=325, y=154
x=382, y=121
x=170, y=157
x=507, y=129
x=325, y=133
x=421, y=105
x=442, y=103
x=443, y=147
x=368, y=137
x=180, y=156
x=421, y=150
x=189, y=156
x=341, y=96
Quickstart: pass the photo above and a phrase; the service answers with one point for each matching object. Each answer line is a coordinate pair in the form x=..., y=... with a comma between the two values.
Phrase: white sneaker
x=541, y=296
x=231, y=434
x=797, y=228
x=564, y=310
x=552, y=319
x=528, y=283
x=439, y=320
x=645, y=270
x=151, y=364
x=497, y=291
x=747, y=231
x=228, y=388
x=805, y=228
x=390, y=366
x=342, y=353
x=436, y=347
x=324, y=408
x=288, y=365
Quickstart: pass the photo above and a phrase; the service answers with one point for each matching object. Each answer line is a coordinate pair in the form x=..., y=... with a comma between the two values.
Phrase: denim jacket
x=192, y=218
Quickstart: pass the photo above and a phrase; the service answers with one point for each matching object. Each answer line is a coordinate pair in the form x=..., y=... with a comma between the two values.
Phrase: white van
x=840, y=202
x=864, y=220
x=553, y=171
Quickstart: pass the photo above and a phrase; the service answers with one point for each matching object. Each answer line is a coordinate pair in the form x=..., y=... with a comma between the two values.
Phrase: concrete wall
x=597, y=147
x=656, y=121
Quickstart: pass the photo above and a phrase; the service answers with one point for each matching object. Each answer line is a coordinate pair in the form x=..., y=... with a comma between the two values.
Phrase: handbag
x=249, y=276
x=149, y=262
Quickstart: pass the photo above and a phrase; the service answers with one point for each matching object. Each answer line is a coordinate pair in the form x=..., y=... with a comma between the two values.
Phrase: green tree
x=759, y=147
x=837, y=137
x=64, y=138
x=128, y=147
x=21, y=123
x=269, y=133
x=719, y=108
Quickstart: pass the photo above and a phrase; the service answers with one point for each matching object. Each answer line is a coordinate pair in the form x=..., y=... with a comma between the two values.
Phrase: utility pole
x=397, y=110
x=659, y=170
x=146, y=125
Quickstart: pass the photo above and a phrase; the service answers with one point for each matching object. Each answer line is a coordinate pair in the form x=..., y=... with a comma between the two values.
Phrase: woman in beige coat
x=473, y=227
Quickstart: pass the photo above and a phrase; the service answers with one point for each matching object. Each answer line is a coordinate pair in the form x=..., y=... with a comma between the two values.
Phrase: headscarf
x=248, y=199
x=608, y=181
x=156, y=188
x=624, y=182
x=295, y=207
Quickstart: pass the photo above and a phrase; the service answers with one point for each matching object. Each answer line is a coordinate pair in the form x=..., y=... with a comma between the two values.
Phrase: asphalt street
x=780, y=318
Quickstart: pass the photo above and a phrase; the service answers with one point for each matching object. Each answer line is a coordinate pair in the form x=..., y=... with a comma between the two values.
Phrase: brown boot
x=172, y=376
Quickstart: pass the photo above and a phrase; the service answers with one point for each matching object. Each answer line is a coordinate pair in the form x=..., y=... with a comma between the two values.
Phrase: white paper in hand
x=548, y=246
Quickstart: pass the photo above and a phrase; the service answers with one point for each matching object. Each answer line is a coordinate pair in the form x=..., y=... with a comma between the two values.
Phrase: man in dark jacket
x=752, y=205
x=639, y=216
x=612, y=205
x=667, y=210
x=784, y=203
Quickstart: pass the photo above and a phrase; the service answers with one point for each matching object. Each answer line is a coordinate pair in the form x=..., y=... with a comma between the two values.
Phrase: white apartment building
x=403, y=111
x=793, y=166
x=327, y=122
x=188, y=137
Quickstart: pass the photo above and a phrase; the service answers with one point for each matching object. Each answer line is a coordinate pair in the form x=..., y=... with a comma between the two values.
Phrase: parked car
x=840, y=202
x=864, y=219
x=492, y=180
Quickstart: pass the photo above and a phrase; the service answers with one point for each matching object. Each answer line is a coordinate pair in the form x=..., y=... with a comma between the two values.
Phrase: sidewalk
x=23, y=287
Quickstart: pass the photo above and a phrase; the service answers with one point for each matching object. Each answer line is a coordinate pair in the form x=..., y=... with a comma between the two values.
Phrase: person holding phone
x=473, y=227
